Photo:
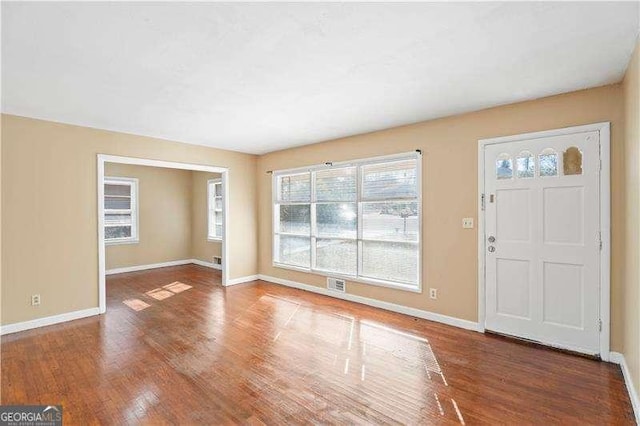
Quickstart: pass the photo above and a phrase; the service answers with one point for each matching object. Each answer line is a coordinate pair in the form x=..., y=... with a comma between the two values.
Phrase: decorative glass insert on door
x=572, y=161
x=548, y=162
x=525, y=165
x=504, y=167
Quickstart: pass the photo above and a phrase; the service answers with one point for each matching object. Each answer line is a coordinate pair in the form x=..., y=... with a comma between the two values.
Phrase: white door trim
x=605, y=220
x=102, y=159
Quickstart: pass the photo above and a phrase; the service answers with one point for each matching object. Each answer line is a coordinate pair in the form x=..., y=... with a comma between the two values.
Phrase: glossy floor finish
x=175, y=347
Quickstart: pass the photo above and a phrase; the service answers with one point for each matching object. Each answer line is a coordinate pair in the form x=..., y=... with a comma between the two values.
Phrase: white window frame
x=334, y=165
x=133, y=184
x=211, y=183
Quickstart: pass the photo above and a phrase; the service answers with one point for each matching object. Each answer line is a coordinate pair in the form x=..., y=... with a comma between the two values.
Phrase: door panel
x=543, y=265
x=513, y=287
x=563, y=220
x=514, y=223
x=562, y=282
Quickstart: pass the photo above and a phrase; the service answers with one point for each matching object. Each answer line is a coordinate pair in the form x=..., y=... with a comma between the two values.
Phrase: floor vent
x=336, y=284
x=217, y=260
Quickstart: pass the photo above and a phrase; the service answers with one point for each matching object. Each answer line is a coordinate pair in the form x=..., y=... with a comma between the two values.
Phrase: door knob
x=492, y=239
x=492, y=249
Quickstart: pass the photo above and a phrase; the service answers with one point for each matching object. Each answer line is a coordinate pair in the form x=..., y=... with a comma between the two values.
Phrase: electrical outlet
x=35, y=300
x=467, y=223
x=433, y=293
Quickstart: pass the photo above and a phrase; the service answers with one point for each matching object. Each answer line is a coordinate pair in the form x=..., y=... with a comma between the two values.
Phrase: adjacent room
x=320, y=213
x=156, y=217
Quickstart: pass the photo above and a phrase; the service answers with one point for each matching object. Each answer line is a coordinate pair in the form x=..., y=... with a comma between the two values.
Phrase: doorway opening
x=119, y=211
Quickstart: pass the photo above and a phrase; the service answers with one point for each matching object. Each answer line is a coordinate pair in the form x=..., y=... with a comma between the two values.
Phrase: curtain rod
x=330, y=163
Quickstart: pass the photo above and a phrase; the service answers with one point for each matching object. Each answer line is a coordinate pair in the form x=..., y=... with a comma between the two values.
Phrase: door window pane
x=337, y=220
x=504, y=167
x=572, y=161
x=339, y=256
x=548, y=163
x=525, y=165
x=390, y=261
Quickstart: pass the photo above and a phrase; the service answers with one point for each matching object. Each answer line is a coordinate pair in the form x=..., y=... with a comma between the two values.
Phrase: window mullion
x=313, y=228
x=359, y=224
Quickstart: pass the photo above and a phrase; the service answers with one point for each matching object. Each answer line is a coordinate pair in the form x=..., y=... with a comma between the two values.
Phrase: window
x=504, y=167
x=525, y=165
x=359, y=220
x=548, y=162
x=214, y=197
x=120, y=210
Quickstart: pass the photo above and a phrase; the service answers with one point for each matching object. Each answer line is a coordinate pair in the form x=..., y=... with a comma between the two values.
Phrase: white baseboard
x=206, y=264
x=241, y=280
x=149, y=266
x=431, y=316
x=618, y=358
x=42, y=322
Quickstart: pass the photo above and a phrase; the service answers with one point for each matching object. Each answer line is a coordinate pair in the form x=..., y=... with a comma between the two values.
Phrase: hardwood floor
x=176, y=347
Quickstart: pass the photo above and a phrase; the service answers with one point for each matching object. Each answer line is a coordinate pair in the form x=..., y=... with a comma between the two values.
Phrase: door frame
x=104, y=158
x=604, y=129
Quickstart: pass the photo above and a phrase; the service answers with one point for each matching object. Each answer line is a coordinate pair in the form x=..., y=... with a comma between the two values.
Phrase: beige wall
x=449, y=194
x=201, y=247
x=164, y=213
x=173, y=214
x=49, y=217
x=62, y=241
x=631, y=237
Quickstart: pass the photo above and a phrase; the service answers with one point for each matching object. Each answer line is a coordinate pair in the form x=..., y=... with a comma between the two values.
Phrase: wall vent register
x=336, y=284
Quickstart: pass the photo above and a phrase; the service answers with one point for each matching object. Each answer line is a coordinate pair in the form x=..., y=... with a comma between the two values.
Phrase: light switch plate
x=467, y=223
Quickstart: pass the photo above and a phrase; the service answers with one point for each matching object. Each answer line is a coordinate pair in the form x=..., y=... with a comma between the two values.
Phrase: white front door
x=542, y=240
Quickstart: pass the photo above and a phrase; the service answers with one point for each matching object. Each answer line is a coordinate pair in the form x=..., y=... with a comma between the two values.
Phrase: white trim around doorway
x=102, y=159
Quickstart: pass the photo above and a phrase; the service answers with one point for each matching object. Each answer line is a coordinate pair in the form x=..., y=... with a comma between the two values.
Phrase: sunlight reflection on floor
x=375, y=355
x=160, y=293
x=136, y=304
x=177, y=287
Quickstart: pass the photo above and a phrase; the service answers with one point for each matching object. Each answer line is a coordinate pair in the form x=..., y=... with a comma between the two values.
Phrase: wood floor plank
x=176, y=347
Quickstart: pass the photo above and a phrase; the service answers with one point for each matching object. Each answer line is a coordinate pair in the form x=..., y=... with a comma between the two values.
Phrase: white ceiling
x=265, y=76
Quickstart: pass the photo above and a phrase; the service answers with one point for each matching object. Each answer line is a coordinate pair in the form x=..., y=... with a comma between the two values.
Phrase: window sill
x=119, y=242
x=369, y=281
x=214, y=239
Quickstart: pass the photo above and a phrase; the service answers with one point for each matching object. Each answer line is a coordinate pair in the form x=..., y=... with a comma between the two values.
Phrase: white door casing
x=542, y=273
